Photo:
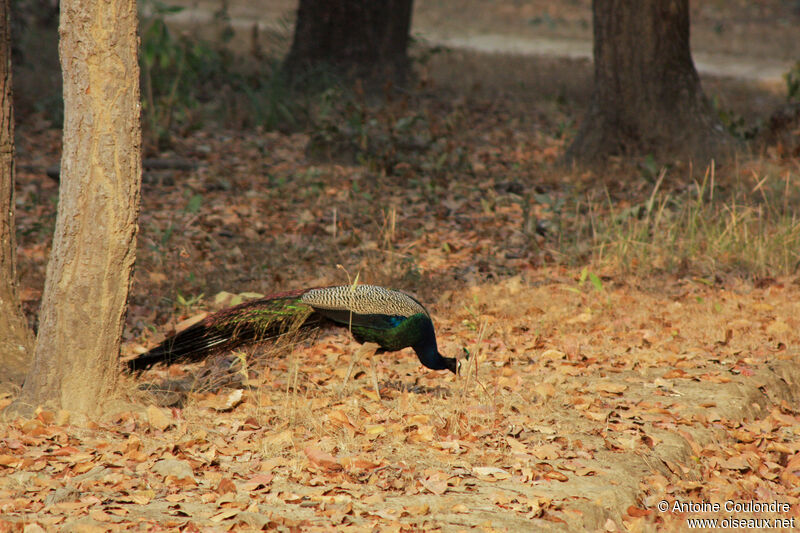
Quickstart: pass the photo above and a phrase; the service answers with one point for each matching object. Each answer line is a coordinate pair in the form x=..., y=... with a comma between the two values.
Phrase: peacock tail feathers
x=246, y=323
x=267, y=316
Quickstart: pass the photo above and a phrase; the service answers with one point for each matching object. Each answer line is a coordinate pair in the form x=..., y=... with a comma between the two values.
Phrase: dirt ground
x=591, y=394
x=583, y=418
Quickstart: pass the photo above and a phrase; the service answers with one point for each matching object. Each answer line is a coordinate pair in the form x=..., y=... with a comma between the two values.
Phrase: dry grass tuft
x=743, y=224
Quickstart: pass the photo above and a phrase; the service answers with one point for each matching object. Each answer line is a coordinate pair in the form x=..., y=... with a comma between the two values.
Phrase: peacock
x=392, y=319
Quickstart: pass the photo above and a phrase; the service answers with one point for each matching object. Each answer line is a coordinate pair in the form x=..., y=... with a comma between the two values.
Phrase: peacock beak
x=460, y=362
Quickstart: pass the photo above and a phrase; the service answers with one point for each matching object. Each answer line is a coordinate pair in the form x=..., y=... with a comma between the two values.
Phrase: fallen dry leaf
x=321, y=459
x=158, y=418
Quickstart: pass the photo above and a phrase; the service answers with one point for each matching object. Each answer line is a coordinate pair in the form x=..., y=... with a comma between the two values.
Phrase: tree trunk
x=89, y=272
x=647, y=97
x=355, y=37
x=16, y=340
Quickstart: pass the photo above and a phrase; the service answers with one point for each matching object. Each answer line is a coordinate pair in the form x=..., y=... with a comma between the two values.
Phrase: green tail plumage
x=389, y=318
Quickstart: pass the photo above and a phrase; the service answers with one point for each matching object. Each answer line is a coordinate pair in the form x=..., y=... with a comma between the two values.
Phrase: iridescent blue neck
x=428, y=353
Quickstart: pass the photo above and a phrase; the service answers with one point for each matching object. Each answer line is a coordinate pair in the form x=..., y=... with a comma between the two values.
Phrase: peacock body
x=392, y=319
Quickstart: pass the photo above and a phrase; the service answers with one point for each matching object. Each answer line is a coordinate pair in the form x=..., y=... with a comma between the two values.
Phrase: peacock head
x=452, y=364
x=460, y=362
x=441, y=362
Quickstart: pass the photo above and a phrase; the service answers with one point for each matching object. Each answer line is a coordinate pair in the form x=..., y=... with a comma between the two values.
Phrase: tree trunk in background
x=89, y=272
x=16, y=340
x=355, y=37
x=647, y=97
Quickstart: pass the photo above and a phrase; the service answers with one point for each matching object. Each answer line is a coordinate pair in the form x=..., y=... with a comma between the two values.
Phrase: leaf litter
x=582, y=406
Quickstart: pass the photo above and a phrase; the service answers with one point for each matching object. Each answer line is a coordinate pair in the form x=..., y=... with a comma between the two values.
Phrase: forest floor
x=626, y=350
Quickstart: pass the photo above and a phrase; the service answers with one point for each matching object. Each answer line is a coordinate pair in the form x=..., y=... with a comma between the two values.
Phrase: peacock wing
x=346, y=318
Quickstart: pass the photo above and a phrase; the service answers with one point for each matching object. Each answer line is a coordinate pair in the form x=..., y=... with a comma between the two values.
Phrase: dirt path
x=713, y=64
x=730, y=60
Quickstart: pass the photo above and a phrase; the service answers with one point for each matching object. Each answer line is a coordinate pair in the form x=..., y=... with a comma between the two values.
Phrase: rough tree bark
x=89, y=272
x=647, y=97
x=356, y=37
x=16, y=340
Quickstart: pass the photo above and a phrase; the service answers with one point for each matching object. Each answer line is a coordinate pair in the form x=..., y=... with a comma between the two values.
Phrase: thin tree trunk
x=16, y=340
x=647, y=97
x=89, y=272
x=355, y=37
